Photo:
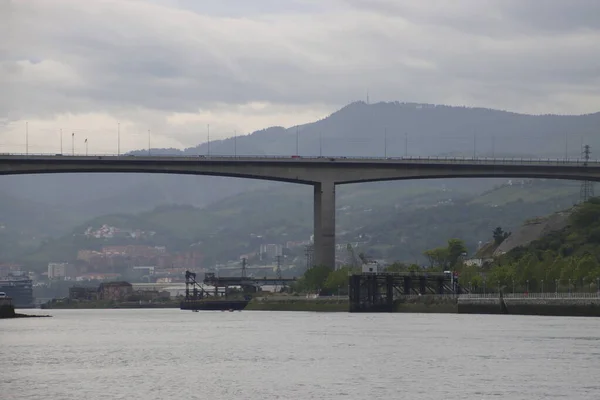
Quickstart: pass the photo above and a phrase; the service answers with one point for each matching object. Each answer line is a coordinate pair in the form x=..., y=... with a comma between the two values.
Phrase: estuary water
x=173, y=354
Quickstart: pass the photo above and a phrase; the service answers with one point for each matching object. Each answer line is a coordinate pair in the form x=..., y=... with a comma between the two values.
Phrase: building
x=115, y=291
x=371, y=267
x=270, y=251
x=59, y=270
x=18, y=286
x=83, y=293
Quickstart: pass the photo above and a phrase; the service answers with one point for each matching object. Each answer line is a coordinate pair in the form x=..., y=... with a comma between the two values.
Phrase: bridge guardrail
x=442, y=160
x=525, y=296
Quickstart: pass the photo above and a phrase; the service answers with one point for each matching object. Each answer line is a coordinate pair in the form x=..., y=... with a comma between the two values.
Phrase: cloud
x=174, y=66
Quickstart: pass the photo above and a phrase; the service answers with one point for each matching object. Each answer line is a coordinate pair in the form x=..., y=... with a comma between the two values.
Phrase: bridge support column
x=324, y=224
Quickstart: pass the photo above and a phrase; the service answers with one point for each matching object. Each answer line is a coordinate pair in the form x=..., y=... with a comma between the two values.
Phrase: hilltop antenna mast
x=587, y=187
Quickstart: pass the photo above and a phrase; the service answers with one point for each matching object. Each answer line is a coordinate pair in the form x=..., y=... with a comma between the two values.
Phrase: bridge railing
x=442, y=160
x=524, y=296
x=449, y=296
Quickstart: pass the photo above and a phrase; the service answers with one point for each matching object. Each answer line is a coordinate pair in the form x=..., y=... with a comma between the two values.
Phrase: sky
x=166, y=69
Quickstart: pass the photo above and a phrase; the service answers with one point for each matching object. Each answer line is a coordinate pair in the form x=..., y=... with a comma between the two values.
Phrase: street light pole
x=119, y=139
x=73, y=143
x=296, y=139
x=61, y=141
x=26, y=138
x=86, y=147
x=208, y=137
x=542, y=286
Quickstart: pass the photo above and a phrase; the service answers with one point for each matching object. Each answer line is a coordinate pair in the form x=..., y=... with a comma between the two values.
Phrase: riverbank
x=298, y=304
x=548, y=304
x=99, y=304
x=7, y=311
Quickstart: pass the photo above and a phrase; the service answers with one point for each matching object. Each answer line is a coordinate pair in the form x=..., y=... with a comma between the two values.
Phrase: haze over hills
x=60, y=202
x=395, y=221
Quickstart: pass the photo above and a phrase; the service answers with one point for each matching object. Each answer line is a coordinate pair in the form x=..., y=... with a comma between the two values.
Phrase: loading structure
x=376, y=292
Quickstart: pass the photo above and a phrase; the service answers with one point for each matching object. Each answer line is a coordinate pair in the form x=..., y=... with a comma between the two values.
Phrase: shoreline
x=490, y=304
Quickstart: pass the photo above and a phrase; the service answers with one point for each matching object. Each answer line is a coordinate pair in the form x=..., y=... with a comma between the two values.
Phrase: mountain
x=358, y=129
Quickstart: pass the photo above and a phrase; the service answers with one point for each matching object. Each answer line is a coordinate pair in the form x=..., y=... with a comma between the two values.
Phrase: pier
x=7, y=308
x=376, y=292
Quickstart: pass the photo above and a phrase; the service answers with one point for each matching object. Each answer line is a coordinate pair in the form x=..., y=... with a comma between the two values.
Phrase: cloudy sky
x=174, y=66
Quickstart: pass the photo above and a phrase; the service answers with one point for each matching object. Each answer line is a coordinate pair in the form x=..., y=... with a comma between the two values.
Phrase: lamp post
x=86, y=147
x=73, y=143
x=513, y=283
x=235, y=143
x=26, y=138
x=542, y=286
x=119, y=139
x=556, y=286
x=527, y=286
x=208, y=139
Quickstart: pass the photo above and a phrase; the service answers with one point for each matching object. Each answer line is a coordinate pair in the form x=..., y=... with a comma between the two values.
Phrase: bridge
x=323, y=173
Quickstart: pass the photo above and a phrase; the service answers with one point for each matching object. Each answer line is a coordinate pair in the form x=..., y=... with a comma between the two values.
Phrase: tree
x=314, y=278
x=396, y=267
x=437, y=257
x=338, y=279
x=456, y=250
x=445, y=257
x=499, y=235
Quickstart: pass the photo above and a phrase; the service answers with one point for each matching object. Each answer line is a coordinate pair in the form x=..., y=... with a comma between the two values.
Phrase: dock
x=7, y=308
x=377, y=291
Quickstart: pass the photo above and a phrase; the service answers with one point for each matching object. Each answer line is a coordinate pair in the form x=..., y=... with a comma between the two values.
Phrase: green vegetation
x=568, y=259
x=448, y=256
x=320, y=279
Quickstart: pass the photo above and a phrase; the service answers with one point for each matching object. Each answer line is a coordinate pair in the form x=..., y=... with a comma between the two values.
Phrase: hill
x=564, y=256
x=392, y=220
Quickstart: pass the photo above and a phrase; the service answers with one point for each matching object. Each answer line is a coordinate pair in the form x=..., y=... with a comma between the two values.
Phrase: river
x=173, y=354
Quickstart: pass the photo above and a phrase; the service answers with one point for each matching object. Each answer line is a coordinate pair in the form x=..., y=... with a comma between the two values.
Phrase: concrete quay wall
x=574, y=307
